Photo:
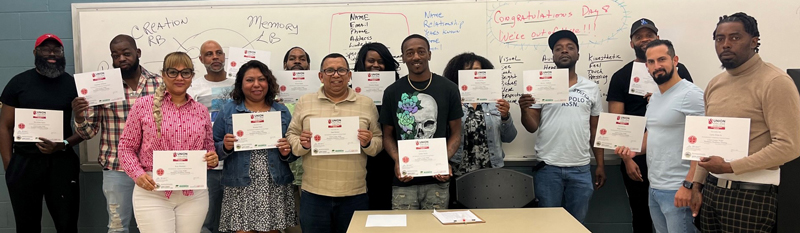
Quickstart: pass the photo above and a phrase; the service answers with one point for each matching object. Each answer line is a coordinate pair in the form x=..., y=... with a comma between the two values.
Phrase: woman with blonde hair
x=169, y=120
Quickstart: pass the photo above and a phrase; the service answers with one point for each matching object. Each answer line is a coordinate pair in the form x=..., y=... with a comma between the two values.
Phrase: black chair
x=494, y=188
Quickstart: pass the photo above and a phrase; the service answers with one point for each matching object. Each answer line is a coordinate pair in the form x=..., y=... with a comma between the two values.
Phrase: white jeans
x=178, y=214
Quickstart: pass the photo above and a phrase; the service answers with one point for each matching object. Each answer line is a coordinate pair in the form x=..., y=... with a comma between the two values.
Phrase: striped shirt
x=111, y=119
x=187, y=127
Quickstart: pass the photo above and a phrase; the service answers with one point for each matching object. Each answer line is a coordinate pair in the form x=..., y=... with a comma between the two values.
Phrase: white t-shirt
x=211, y=95
x=563, y=138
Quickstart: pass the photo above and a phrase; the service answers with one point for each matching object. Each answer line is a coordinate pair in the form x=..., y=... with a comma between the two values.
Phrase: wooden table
x=537, y=220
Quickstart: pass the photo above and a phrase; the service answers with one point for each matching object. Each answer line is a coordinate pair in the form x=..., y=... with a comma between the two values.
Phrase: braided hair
x=749, y=23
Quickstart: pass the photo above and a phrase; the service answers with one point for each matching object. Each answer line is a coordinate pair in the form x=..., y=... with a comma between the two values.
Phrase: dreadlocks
x=750, y=24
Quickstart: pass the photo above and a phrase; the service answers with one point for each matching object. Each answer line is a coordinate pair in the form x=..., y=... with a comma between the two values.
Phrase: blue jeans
x=323, y=214
x=215, y=190
x=666, y=217
x=118, y=189
x=568, y=187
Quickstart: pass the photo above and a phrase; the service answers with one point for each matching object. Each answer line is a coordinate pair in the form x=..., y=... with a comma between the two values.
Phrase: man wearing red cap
x=48, y=168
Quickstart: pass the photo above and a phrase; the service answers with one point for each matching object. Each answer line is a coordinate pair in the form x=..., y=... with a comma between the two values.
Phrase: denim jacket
x=237, y=164
x=497, y=132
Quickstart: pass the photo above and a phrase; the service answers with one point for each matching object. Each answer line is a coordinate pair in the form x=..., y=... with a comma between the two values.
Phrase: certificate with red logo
x=480, y=86
x=100, y=87
x=372, y=84
x=238, y=56
x=641, y=80
x=179, y=170
x=706, y=136
x=335, y=136
x=423, y=157
x=32, y=124
x=614, y=130
x=255, y=131
x=547, y=86
x=295, y=83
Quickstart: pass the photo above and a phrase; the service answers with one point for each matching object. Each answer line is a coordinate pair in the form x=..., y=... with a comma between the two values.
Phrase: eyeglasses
x=331, y=71
x=185, y=73
x=55, y=51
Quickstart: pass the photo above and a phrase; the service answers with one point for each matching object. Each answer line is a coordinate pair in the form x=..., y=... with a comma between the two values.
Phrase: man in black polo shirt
x=634, y=171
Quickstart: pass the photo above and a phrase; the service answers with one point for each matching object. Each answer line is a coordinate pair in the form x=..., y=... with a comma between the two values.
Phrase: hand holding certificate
x=100, y=87
x=296, y=83
x=641, y=80
x=480, y=86
x=615, y=130
x=256, y=131
x=547, y=86
x=238, y=56
x=335, y=136
x=179, y=170
x=372, y=84
x=32, y=124
x=423, y=157
x=725, y=137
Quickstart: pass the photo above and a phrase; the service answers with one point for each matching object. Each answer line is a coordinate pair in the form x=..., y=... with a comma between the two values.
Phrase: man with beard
x=48, y=168
x=670, y=176
x=420, y=105
x=634, y=171
x=741, y=195
x=212, y=90
x=110, y=118
x=566, y=135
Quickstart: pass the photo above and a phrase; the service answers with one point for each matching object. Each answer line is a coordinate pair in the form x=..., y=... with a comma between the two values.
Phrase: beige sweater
x=768, y=96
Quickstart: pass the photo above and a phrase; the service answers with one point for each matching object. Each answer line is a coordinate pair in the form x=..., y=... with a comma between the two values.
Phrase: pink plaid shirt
x=187, y=127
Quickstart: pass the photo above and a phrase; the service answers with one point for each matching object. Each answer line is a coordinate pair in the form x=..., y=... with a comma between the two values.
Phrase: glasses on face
x=47, y=51
x=331, y=71
x=185, y=73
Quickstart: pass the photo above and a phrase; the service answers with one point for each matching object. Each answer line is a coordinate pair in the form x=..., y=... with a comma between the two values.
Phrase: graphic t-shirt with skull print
x=419, y=115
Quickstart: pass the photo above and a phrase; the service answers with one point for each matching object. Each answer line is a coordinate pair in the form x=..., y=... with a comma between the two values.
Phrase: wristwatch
x=688, y=184
x=66, y=144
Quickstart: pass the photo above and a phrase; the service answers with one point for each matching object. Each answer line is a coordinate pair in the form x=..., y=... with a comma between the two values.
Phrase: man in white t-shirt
x=566, y=134
x=212, y=90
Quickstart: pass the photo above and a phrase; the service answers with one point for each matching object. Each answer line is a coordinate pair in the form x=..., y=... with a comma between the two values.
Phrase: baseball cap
x=45, y=37
x=643, y=23
x=555, y=37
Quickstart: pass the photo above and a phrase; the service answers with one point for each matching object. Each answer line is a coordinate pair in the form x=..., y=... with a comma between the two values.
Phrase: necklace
x=423, y=89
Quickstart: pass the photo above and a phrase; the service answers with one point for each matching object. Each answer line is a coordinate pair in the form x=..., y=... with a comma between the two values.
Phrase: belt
x=740, y=185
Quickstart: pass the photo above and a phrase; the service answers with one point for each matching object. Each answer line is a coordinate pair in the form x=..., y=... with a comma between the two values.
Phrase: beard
x=130, y=70
x=661, y=79
x=565, y=65
x=50, y=70
x=640, y=53
x=211, y=68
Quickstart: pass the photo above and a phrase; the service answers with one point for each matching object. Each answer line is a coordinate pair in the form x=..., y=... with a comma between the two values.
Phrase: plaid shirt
x=111, y=118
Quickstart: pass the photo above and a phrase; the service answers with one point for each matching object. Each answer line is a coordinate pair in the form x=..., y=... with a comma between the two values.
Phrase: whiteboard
x=511, y=34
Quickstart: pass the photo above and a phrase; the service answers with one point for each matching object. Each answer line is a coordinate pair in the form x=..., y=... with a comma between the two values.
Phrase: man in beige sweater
x=741, y=195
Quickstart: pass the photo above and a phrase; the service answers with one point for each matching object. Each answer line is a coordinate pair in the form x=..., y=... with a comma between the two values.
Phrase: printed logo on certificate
x=256, y=131
x=641, y=81
x=725, y=137
x=32, y=124
x=296, y=83
x=372, y=84
x=100, y=87
x=423, y=157
x=480, y=86
x=179, y=170
x=614, y=130
x=335, y=136
x=547, y=86
x=238, y=56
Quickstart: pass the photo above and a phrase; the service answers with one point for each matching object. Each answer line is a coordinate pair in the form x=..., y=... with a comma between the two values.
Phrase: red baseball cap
x=47, y=36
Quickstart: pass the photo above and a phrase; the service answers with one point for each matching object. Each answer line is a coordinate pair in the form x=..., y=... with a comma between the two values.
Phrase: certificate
x=296, y=83
x=423, y=157
x=335, y=136
x=32, y=124
x=100, y=87
x=641, y=80
x=480, y=86
x=725, y=137
x=179, y=170
x=255, y=131
x=547, y=86
x=615, y=130
x=238, y=56
x=372, y=84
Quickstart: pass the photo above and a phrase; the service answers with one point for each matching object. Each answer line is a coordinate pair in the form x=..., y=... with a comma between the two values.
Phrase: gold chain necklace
x=426, y=86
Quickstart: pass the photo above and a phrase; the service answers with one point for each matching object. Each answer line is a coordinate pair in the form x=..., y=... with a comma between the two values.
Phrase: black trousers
x=638, y=196
x=54, y=177
x=380, y=172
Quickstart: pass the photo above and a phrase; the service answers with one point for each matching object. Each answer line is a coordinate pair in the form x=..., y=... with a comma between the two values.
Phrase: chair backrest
x=494, y=188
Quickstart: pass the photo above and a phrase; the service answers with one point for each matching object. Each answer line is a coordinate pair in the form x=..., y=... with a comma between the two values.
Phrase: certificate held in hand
x=547, y=86
x=255, y=131
x=335, y=136
x=615, y=130
x=641, y=80
x=179, y=170
x=100, y=87
x=725, y=137
x=480, y=86
x=32, y=124
x=423, y=157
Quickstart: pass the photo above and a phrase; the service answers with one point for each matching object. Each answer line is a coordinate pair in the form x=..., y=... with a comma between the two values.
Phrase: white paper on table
x=295, y=83
x=31, y=124
x=372, y=84
x=179, y=170
x=238, y=56
x=386, y=220
x=335, y=136
x=615, y=130
x=423, y=157
x=464, y=216
x=706, y=136
x=547, y=86
x=480, y=86
x=255, y=131
x=100, y=87
x=641, y=80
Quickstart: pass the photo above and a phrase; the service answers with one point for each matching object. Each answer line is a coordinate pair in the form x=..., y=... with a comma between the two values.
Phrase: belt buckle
x=723, y=183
